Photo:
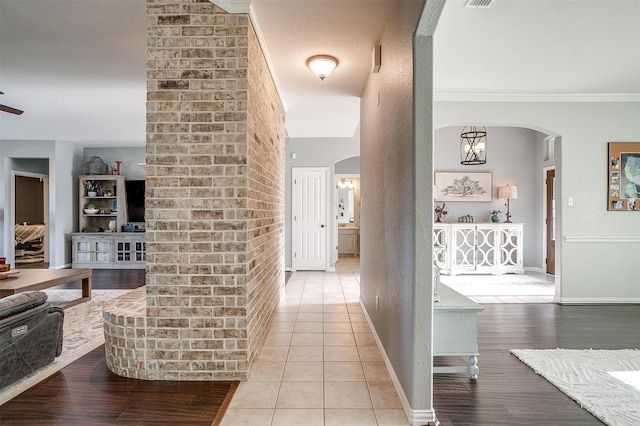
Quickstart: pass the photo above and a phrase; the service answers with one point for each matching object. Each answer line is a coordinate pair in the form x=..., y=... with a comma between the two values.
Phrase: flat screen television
x=135, y=200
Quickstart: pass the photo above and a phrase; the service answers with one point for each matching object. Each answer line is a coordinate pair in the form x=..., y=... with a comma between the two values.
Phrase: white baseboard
x=535, y=269
x=414, y=417
x=598, y=300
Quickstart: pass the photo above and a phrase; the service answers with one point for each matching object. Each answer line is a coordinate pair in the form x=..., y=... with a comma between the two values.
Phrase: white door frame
x=12, y=214
x=295, y=172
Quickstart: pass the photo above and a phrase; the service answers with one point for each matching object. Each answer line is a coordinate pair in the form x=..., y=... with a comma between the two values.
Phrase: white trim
x=540, y=97
x=545, y=219
x=536, y=269
x=415, y=417
x=601, y=238
x=233, y=6
x=598, y=300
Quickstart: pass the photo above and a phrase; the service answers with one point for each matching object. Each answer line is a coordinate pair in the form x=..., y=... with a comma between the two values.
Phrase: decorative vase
x=92, y=193
x=112, y=226
x=495, y=218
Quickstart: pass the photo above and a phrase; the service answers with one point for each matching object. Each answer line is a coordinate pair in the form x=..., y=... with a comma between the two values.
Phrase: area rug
x=83, y=332
x=500, y=285
x=604, y=382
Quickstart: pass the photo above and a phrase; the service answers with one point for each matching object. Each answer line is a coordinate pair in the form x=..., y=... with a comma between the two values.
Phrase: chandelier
x=473, y=145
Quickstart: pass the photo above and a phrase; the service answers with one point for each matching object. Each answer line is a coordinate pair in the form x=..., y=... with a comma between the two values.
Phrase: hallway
x=320, y=364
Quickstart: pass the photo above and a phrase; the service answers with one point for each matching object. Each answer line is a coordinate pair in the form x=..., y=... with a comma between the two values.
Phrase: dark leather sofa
x=30, y=334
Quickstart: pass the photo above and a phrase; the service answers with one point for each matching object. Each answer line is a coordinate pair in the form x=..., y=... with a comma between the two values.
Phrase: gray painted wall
x=593, y=242
x=389, y=207
x=315, y=152
x=348, y=166
x=512, y=158
x=130, y=157
x=65, y=160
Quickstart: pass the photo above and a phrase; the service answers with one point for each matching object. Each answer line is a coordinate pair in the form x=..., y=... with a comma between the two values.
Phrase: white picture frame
x=462, y=186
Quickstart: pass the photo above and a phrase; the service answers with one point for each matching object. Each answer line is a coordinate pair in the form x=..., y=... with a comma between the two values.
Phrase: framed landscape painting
x=461, y=186
x=623, y=186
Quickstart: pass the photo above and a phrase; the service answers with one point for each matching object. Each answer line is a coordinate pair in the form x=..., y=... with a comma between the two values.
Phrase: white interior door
x=309, y=218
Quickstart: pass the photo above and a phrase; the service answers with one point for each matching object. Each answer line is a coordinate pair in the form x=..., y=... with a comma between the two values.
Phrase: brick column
x=215, y=193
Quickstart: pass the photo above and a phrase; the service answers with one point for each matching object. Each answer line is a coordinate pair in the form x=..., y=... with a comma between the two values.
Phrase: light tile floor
x=320, y=364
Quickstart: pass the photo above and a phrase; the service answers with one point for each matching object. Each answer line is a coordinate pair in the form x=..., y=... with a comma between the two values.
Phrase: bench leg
x=473, y=367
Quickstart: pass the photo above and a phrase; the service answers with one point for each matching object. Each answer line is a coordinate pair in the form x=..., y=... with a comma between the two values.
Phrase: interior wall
x=64, y=162
x=348, y=166
x=314, y=152
x=592, y=241
x=130, y=157
x=512, y=158
x=389, y=206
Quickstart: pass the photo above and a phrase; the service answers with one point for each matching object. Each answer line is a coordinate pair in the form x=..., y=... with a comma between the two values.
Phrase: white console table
x=478, y=248
x=455, y=330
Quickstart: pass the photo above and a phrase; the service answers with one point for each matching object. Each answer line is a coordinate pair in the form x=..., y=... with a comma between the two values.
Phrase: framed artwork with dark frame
x=623, y=185
x=461, y=186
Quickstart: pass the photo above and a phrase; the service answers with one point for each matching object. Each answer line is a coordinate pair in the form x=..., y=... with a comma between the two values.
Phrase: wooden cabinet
x=124, y=250
x=348, y=241
x=129, y=250
x=110, y=203
x=483, y=248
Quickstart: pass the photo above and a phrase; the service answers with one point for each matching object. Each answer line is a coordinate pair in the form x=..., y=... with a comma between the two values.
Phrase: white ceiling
x=77, y=67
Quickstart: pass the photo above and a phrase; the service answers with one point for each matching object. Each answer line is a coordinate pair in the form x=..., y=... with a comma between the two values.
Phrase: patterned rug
x=604, y=382
x=83, y=332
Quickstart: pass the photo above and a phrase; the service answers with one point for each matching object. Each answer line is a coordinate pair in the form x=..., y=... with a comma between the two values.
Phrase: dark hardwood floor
x=87, y=393
x=506, y=393
x=510, y=393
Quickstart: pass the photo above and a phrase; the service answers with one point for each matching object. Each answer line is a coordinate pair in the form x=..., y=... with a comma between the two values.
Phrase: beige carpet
x=83, y=332
x=604, y=382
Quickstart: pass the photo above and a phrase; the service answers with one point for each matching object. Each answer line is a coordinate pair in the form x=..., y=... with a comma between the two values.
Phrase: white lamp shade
x=508, y=191
x=322, y=65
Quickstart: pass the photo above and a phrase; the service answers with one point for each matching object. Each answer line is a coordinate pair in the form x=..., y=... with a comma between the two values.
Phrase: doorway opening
x=30, y=219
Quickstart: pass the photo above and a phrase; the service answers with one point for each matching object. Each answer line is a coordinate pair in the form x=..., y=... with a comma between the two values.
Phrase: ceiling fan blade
x=10, y=110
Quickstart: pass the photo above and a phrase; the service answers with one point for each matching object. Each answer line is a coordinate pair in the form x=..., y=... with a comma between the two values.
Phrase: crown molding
x=536, y=97
x=233, y=6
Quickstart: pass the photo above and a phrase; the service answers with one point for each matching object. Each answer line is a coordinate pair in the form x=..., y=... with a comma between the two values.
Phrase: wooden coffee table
x=38, y=279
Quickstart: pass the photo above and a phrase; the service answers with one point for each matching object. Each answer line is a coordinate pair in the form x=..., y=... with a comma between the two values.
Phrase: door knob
x=321, y=226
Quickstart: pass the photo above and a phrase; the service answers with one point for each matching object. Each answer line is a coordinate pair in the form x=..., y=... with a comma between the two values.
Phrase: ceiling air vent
x=478, y=3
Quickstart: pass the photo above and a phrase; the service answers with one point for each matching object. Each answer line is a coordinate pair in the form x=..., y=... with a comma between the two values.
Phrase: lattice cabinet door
x=101, y=250
x=510, y=248
x=123, y=250
x=463, y=250
x=82, y=251
x=440, y=243
x=139, y=251
x=486, y=249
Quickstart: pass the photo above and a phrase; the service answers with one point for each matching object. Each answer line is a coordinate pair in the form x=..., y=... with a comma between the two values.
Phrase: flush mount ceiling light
x=473, y=146
x=322, y=65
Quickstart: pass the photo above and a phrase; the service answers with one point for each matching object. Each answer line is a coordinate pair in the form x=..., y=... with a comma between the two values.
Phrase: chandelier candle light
x=510, y=193
x=473, y=146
